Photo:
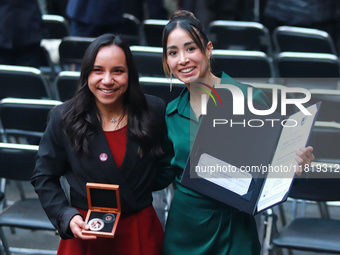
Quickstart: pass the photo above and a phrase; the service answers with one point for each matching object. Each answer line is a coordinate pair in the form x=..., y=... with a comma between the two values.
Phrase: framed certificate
x=246, y=161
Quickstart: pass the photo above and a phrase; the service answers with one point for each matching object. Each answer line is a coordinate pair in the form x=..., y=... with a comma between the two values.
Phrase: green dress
x=197, y=224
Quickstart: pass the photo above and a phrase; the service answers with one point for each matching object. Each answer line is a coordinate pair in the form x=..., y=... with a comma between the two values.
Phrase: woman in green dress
x=197, y=224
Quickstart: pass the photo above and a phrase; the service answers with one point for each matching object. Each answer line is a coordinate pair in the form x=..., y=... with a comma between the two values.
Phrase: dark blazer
x=57, y=158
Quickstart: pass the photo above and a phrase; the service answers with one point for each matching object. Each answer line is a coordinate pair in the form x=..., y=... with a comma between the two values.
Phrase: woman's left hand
x=77, y=224
x=304, y=156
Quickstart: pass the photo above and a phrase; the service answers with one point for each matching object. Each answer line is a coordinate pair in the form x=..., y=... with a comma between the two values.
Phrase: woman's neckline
x=116, y=130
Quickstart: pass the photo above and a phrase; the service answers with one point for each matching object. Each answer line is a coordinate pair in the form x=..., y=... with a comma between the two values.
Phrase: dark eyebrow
x=171, y=47
x=115, y=67
x=175, y=47
x=188, y=43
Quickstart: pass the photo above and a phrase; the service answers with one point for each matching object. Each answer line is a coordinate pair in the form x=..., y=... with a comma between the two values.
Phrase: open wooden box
x=104, y=209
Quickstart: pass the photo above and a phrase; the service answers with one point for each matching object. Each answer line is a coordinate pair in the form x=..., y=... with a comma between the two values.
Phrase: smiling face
x=108, y=80
x=185, y=60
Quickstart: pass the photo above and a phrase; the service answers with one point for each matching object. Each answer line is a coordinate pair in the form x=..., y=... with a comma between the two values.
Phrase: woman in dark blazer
x=109, y=132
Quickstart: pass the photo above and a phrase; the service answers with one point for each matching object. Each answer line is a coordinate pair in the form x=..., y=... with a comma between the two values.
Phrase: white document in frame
x=283, y=166
x=223, y=174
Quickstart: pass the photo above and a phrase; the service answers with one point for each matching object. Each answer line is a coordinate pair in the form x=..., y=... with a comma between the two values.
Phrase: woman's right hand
x=77, y=224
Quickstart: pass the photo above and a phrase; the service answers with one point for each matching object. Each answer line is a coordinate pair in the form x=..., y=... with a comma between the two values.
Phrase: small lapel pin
x=103, y=157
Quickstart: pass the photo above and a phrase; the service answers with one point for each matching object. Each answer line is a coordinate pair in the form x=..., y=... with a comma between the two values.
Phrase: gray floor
x=49, y=241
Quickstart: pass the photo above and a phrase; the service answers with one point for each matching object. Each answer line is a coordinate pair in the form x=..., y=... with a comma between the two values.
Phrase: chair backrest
x=72, y=49
x=298, y=39
x=24, y=118
x=17, y=161
x=330, y=106
x=311, y=82
x=55, y=27
x=131, y=29
x=160, y=87
x=324, y=138
x=239, y=35
x=322, y=182
x=65, y=84
x=23, y=82
x=152, y=31
x=244, y=64
x=307, y=65
x=148, y=60
x=319, y=186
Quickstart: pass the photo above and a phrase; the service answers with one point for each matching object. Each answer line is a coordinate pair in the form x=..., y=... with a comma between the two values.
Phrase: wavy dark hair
x=187, y=21
x=80, y=117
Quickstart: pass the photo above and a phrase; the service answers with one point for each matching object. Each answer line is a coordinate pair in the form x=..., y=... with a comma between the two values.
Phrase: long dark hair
x=80, y=115
x=187, y=21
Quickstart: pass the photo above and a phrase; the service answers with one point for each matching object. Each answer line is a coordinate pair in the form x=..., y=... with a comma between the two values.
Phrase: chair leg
x=3, y=202
x=168, y=195
x=4, y=242
x=270, y=228
x=294, y=209
x=282, y=215
x=323, y=210
x=21, y=189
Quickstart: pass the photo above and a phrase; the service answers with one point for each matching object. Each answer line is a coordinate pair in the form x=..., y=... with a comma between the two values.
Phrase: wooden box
x=104, y=209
